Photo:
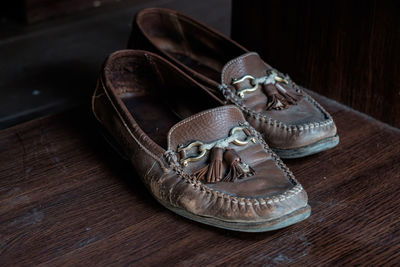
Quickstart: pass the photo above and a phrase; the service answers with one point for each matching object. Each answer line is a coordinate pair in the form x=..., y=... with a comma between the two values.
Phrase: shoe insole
x=156, y=115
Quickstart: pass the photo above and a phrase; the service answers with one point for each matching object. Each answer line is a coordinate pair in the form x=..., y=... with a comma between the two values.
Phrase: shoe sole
x=314, y=148
x=264, y=226
x=251, y=227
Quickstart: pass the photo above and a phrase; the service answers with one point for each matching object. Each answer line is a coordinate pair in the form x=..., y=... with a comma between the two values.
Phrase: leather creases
x=213, y=171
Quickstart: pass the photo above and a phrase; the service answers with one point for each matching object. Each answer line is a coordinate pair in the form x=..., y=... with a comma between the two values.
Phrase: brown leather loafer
x=212, y=166
x=292, y=122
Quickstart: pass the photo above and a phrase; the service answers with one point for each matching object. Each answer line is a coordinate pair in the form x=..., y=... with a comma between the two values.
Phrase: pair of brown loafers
x=203, y=121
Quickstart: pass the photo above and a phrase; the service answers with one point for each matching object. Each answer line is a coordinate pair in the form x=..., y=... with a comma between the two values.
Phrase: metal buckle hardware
x=255, y=82
x=241, y=93
x=241, y=142
x=182, y=149
x=202, y=148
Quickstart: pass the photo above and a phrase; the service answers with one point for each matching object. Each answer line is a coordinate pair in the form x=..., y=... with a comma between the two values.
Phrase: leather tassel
x=291, y=97
x=236, y=168
x=280, y=98
x=212, y=172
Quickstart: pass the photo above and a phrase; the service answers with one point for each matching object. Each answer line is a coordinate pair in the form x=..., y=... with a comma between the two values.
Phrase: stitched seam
x=189, y=120
x=315, y=103
x=276, y=158
x=229, y=95
x=172, y=160
x=234, y=61
x=131, y=134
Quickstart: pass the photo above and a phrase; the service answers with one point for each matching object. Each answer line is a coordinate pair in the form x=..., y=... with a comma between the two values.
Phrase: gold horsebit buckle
x=202, y=147
x=255, y=82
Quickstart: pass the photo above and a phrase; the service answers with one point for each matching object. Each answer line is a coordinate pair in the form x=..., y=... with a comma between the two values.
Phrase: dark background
x=346, y=50
x=50, y=64
x=52, y=50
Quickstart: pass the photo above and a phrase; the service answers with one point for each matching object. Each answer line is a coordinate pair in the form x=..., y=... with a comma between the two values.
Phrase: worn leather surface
x=299, y=125
x=212, y=59
x=270, y=193
x=197, y=49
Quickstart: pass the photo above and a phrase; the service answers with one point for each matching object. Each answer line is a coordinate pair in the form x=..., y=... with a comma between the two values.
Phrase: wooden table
x=66, y=198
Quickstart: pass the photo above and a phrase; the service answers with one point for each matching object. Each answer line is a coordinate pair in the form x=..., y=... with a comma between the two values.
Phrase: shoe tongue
x=247, y=64
x=206, y=126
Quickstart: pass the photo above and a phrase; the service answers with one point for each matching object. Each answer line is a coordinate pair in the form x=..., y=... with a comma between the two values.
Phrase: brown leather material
x=213, y=60
x=299, y=125
x=132, y=101
x=197, y=49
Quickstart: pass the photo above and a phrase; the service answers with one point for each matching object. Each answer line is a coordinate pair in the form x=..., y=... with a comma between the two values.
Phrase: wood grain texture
x=66, y=198
x=346, y=50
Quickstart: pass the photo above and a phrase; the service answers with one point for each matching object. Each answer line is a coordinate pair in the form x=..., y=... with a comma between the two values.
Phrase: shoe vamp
x=301, y=113
x=269, y=178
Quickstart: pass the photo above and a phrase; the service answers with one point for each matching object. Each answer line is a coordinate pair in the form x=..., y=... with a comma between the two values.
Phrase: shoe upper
x=209, y=163
x=282, y=111
x=284, y=125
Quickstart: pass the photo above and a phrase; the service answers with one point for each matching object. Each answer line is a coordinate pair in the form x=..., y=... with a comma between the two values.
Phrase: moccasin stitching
x=229, y=95
x=172, y=160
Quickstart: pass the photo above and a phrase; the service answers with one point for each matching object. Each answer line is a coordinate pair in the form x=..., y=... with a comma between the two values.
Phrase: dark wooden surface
x=346, y=50
x=66, y=198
